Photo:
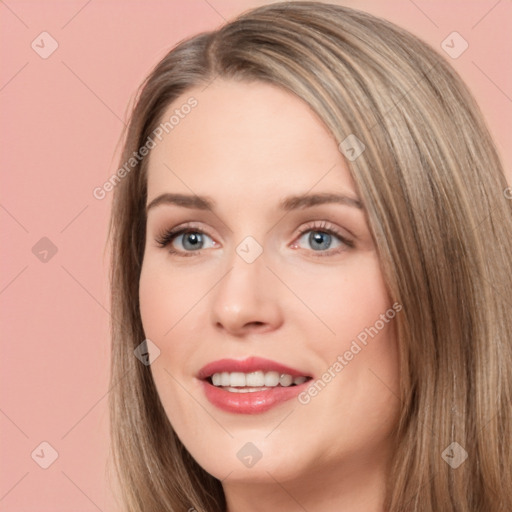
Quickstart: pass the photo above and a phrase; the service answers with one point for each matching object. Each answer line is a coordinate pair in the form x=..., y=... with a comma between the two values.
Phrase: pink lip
x=252, y=402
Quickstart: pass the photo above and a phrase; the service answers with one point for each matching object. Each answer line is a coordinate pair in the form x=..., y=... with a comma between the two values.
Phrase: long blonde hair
x=433, y=188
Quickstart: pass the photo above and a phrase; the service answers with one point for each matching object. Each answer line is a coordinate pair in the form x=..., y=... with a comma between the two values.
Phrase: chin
x=256, y=462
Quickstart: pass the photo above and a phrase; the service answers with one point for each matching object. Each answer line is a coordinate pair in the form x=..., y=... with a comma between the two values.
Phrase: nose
x=246, y=300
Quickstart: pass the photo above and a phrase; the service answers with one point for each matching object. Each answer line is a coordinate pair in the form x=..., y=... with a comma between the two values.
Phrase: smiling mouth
x=250, y=386
x=239, y=382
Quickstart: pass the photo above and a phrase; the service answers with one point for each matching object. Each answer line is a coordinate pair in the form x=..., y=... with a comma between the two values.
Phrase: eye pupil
x=319, y=237
x=192, y=238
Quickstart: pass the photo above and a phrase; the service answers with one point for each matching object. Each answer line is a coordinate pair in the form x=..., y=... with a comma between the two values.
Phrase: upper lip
x=251, y=364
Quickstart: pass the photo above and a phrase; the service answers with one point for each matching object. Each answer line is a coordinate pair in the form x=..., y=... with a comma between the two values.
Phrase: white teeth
x=286, y=380
x=254, y=380
x=237, y=379
x=271, y=379
x=225, y=379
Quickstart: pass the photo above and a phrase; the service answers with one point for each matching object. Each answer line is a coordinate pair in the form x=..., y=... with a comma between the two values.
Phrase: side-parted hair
x=433, y=189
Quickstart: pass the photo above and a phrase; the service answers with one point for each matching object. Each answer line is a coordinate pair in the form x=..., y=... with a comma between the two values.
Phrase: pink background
x=61, y=121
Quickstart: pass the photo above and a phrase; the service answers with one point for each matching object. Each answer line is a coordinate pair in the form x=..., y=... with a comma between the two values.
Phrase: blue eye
x=319, y=240
x=319, y=236
x=192, y=239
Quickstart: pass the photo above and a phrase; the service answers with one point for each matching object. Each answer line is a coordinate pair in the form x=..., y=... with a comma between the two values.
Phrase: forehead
x=248, y=138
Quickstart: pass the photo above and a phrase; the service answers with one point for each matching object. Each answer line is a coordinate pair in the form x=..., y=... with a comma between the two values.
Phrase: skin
x=247, y=146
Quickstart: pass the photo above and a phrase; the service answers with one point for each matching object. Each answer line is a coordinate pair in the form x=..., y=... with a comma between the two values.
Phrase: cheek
x=163, y=305
x=358, y=333
x=164, y=298
x=346, y=301
x=171, y=315
x=163, y=308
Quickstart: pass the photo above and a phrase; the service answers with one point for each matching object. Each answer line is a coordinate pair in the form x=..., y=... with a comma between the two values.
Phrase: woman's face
x=268, y=288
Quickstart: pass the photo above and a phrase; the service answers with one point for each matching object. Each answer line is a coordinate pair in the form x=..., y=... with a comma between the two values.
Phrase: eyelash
x=168, y=236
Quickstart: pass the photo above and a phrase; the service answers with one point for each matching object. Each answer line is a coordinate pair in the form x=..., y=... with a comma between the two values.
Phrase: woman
x=310, y=276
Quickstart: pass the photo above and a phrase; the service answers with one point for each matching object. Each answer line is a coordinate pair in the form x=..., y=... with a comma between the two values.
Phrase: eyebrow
x=287, y=204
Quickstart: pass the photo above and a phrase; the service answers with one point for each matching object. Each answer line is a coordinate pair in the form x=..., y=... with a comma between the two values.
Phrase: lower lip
x=254, y=402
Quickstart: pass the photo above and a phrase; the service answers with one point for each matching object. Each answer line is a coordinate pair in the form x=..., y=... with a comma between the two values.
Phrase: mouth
x=250, y=386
